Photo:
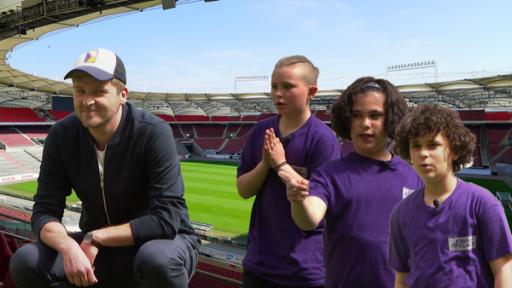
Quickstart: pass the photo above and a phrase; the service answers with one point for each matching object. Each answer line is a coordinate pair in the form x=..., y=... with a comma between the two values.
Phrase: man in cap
x=122, y=164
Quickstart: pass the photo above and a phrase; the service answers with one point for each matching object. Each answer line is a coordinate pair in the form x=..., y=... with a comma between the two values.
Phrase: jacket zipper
x=102, y=185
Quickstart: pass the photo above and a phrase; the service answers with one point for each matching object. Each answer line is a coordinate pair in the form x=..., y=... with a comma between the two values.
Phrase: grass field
x=210, y=191
x=491, y=185
x=212, y=197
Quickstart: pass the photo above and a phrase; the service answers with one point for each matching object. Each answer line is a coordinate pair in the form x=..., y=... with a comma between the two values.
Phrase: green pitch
x=210, y=191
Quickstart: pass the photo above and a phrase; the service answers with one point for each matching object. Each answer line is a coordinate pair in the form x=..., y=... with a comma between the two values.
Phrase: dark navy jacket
x=142, y=179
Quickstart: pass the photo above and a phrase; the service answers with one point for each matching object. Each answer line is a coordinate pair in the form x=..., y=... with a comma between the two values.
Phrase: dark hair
x=395, y=106
x=433, y=119
x=310, y=76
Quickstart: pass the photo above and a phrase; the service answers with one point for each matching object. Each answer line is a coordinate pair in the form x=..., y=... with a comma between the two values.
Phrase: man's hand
x=297, y=190
x=78, y=265
x=90, y=251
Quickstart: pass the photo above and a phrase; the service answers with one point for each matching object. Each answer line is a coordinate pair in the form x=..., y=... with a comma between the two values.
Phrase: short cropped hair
x=311, y=73
x=395, y=106
x=433, y=119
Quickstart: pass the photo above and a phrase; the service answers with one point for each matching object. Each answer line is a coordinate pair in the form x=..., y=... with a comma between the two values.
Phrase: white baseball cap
x=101, y=64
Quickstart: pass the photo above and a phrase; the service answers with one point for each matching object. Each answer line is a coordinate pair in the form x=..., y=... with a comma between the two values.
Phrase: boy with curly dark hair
x=356, y=194
x=450, y=233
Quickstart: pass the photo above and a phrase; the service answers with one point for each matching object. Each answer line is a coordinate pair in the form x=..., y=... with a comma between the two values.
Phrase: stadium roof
x=493, y=91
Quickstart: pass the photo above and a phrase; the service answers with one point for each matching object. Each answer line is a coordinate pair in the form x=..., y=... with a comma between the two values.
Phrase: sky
x=202, y=47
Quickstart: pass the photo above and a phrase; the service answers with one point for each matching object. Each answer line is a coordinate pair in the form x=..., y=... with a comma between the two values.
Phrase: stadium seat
x=5, y=255
x=506, y=200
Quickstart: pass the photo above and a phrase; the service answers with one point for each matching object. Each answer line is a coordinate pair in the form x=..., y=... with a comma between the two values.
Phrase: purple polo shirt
x=450, y=246
x=278, y=250
x=360, y=194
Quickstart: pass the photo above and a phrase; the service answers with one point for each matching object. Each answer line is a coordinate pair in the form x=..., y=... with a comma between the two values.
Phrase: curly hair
x=395, y=106
x=432, y=119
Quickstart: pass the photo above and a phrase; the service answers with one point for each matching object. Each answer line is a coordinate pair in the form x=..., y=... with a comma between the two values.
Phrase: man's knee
x=163, y=261
x=23, y=264
x=154, y=255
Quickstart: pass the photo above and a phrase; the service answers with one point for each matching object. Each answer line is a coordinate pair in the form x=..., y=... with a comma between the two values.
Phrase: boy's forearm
x=287, y=174
x=250, y=183
x=308, y=213
x=502, y=270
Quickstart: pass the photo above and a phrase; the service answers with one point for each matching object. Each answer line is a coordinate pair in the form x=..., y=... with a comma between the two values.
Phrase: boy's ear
x=312, y=91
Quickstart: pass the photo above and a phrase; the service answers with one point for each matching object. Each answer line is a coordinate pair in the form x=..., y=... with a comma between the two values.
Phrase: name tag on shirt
x=462, y=243
x=406, y=192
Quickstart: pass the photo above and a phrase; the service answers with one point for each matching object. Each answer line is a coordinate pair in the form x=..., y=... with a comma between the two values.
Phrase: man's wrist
x=89, y=238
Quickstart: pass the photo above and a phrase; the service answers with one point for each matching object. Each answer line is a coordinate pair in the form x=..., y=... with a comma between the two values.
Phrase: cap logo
x=90, y=57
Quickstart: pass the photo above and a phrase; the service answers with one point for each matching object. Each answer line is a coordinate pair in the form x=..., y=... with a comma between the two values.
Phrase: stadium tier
x=210, y=131
x=12, y=137
x=204, y=136
x=57, y=115
x=8, y=114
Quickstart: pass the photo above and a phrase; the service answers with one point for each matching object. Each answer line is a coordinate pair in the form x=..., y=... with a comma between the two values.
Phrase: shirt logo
x=462, y=243
x=90, y=57
x=406, y=192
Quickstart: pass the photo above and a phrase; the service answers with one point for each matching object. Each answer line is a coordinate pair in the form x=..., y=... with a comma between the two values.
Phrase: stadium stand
x=477, y=154
x=18, y=162
x=497, y=140
x=232, y=130
x=8, y=114
x=250, y=117
x=472, y=115
x=233, y=146
x=225, y=119
x=12, y=138
x=167, y=118
x=323, y=115
x=34, y=131
x=204, y=279
x=192, y=118
x=212, y=268
x=244, y=129
x=176, y=131
x=188, y=131
x=210, y=131
x=57, y=115
x=209, y=143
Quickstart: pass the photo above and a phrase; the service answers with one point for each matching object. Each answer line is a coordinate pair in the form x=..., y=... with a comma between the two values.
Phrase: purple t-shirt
x=360, y=194
x=450, y=246
x=278, y=250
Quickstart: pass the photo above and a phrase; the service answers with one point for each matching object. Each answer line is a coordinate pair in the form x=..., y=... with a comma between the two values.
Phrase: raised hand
x=274, y=148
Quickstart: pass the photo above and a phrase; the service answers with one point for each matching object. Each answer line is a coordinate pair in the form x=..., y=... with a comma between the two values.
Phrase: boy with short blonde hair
x=287, y=146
